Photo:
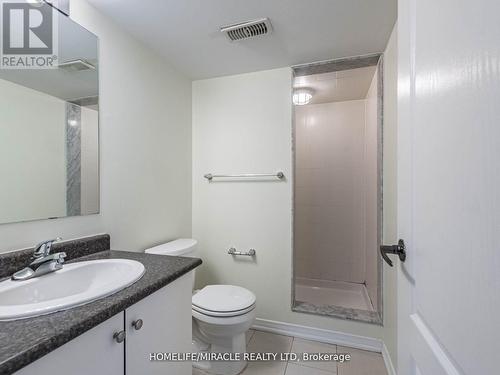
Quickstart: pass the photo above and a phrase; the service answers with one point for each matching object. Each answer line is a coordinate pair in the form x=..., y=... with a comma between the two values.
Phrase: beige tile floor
x=362, y=362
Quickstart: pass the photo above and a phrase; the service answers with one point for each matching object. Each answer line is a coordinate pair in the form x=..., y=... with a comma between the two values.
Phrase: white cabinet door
x=166, y=327
x=94, y=352
x=449, y=186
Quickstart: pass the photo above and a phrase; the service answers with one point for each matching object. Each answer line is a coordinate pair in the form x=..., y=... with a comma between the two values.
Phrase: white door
x=165, y=327
x=449, y=186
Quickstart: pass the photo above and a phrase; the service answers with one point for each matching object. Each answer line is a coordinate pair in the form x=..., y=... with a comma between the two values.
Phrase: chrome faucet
x=43, y=262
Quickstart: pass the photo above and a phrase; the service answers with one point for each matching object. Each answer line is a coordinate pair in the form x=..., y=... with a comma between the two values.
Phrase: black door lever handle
x=399, y=250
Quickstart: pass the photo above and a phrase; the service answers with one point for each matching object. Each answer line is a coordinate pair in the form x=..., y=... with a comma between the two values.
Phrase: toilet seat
x=223, y=314
x=225, y=321
x=223, y=301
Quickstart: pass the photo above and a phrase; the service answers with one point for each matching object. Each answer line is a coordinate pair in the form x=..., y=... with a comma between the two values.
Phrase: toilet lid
x=223, y=298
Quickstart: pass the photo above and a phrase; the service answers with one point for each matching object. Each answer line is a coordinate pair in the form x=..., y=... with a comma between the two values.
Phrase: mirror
x=338, y=189
x=49, y=130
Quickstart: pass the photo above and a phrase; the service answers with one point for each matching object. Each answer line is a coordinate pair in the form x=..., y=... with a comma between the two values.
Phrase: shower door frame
x=374, y=317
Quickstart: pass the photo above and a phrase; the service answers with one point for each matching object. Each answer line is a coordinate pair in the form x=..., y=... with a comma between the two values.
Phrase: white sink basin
x=75, y=284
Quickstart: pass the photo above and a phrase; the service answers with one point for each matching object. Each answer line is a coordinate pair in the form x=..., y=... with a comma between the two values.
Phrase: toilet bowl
x=221, y=315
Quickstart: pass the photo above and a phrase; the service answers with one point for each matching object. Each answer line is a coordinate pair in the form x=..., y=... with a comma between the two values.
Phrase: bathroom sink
x=75, y=284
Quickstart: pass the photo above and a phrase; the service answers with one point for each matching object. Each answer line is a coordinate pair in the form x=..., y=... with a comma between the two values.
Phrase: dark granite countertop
x=23, y=341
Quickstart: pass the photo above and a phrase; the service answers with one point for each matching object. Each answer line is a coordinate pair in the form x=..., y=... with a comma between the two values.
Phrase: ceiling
x=186, y=32
x=339, y=86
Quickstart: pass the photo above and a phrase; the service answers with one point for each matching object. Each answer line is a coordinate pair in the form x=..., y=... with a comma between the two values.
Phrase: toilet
x=221, y=314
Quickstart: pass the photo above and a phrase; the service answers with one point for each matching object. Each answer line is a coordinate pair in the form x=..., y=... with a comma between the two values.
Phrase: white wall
x=243, y=123
x=330, y=185
x=145, y=148
x=32, y=154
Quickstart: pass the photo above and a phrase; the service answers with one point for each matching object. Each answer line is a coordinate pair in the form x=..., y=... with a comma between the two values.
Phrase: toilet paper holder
x=249, y=253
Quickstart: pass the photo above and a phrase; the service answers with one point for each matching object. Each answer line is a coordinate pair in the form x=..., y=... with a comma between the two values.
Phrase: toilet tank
x=183, y=247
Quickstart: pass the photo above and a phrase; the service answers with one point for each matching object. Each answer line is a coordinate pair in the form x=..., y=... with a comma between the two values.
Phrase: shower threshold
x=333, y=293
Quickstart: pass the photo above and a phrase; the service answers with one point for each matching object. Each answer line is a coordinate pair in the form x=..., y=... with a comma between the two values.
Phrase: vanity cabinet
x=94, y=352
x=159, y=323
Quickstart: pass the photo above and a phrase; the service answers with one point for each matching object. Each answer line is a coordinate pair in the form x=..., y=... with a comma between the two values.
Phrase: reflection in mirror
x=337, y=189
x=49, y=154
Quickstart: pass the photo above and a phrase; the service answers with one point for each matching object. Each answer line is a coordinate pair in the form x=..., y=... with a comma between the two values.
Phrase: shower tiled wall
x=330, y=191
x=371, y=193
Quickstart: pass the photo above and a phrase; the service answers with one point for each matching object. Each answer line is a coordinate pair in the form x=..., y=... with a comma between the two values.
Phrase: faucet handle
x=44, y=247
x=57, y=257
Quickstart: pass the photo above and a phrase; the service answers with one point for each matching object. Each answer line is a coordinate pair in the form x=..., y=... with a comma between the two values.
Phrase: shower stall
x=338, y=189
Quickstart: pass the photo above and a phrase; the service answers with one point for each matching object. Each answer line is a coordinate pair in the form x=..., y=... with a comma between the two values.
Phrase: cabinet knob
x=137, y=324
x=119, y=336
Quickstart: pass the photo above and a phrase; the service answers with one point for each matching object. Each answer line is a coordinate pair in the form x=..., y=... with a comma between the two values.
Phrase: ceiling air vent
x=76, y=65
x=248, y=29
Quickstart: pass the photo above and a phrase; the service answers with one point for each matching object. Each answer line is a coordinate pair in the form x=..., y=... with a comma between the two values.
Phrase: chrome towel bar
x=249, y=253
x=279, y=175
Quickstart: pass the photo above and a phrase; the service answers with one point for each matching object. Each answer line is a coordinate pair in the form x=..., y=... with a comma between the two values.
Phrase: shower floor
x=333, y=293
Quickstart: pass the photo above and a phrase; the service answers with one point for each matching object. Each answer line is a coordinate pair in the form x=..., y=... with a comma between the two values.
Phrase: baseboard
x=327, y=336
x=388, y=361
x=322, y=335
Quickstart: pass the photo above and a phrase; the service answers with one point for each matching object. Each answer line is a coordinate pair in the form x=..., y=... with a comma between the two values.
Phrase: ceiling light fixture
x=72, y=122
x=302, y=96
